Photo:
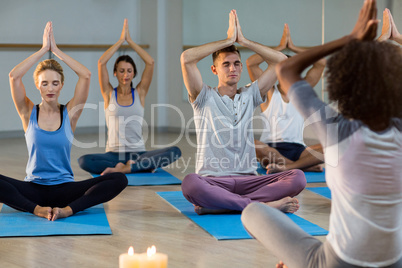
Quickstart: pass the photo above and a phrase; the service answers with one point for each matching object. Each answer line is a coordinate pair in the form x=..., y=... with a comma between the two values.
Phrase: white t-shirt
x=281, y=121
x=224, y=127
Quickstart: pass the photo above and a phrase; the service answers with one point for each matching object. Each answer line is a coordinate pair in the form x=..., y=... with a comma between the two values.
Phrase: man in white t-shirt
x=281, y=146
x=226, y=178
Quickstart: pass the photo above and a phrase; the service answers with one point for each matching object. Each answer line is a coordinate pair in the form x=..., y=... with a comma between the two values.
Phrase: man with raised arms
x=226, y=178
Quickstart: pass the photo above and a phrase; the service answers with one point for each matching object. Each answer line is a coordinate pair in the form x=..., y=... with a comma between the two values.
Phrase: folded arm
x=22, y=103
x=289, y=71
x=77, y=102
x=146, y=78
x=268, y=78
x=105, y=85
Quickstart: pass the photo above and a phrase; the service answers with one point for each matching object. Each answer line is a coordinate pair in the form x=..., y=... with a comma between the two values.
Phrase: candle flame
x=151, y=251
x=131, y=251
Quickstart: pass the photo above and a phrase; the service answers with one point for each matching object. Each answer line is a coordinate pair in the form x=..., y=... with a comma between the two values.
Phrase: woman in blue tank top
x=124, y=111
x=49, y=189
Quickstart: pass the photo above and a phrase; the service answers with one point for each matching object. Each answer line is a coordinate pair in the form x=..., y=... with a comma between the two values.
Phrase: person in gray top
x=362, y=141
x=124, y=113
x=226, y=177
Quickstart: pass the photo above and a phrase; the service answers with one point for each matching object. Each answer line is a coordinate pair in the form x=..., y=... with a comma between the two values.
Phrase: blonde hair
x=50, y=64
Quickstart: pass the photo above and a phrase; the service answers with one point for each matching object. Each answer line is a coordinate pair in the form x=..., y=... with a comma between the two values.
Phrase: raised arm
x=76, y=104
x=271, y=56
x=22, y=103
x=146, y=78
x=103, y=74
x=283, y=44
x=314, y=74
x=389, y=30
x=386, y=26
x=253, y=66
x=254, y=61
x=190, y=57
x=289, y=71
x=395, y=35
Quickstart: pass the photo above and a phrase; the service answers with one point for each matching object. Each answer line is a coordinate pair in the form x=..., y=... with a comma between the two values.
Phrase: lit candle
x=129, y=260
x=151, y=259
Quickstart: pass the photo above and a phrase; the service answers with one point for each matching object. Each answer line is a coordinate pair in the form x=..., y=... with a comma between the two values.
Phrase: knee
x=298, y=180
x=120, y=180
x=189, y=184
x=250, y=213
x=82, y=161
x=176, y=152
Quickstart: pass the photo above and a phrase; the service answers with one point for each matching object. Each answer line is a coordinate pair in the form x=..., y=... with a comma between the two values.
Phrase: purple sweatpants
x=236, y=192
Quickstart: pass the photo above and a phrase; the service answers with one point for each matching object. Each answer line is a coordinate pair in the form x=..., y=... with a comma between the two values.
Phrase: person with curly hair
x=49, y=189
x=363, y=152
x=281, y=146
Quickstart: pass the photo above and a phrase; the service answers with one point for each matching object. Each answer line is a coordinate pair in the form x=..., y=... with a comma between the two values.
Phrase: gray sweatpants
x=281, y=236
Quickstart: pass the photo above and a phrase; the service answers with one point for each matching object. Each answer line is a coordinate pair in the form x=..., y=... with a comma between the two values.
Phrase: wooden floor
x=139, y=217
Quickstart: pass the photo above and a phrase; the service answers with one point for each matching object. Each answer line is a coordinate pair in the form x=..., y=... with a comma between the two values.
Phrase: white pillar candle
x=129, y=260
x=151, y=259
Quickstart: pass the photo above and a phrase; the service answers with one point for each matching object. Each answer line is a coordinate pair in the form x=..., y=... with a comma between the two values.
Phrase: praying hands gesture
x=286, y=41
x=146, y=78
x=232, y=31
x=289, y=71
x=366, y=25
x=24, y=104
x=46, y=38
x=283, y=44
x=267, y=78
x=389, y=30
x=313, y=75
x=125, y=33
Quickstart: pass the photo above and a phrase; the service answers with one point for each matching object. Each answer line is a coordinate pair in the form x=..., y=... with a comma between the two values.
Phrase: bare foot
x=59, y=213
x=281, y=265
x=275, y=168
x=44, y=212
x=286, y=204
x=201, y=211
x=316, y=168
x=120, y=167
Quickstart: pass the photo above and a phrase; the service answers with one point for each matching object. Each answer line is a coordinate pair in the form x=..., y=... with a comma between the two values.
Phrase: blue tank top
x=49, y=152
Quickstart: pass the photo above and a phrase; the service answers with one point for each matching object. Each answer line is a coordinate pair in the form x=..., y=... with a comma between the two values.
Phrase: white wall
x=263, y=21
x=74, y=22
x=165, y=25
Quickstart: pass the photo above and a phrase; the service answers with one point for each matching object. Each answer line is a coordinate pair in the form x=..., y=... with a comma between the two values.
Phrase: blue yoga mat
x=158, y=177
x=88, y=222
x=226, y=226
x=323, y=191
x=311, y=177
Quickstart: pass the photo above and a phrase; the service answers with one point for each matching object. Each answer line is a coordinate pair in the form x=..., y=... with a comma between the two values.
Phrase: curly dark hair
x=364, y=78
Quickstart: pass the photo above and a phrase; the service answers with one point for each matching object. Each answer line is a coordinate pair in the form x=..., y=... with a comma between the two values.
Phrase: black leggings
x=25, y=196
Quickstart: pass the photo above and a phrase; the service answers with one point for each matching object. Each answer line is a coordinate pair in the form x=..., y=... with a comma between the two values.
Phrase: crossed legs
x=287, y=241
x=128, y=162
x=274, y=161
x=61, y=200
x=234, y=193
